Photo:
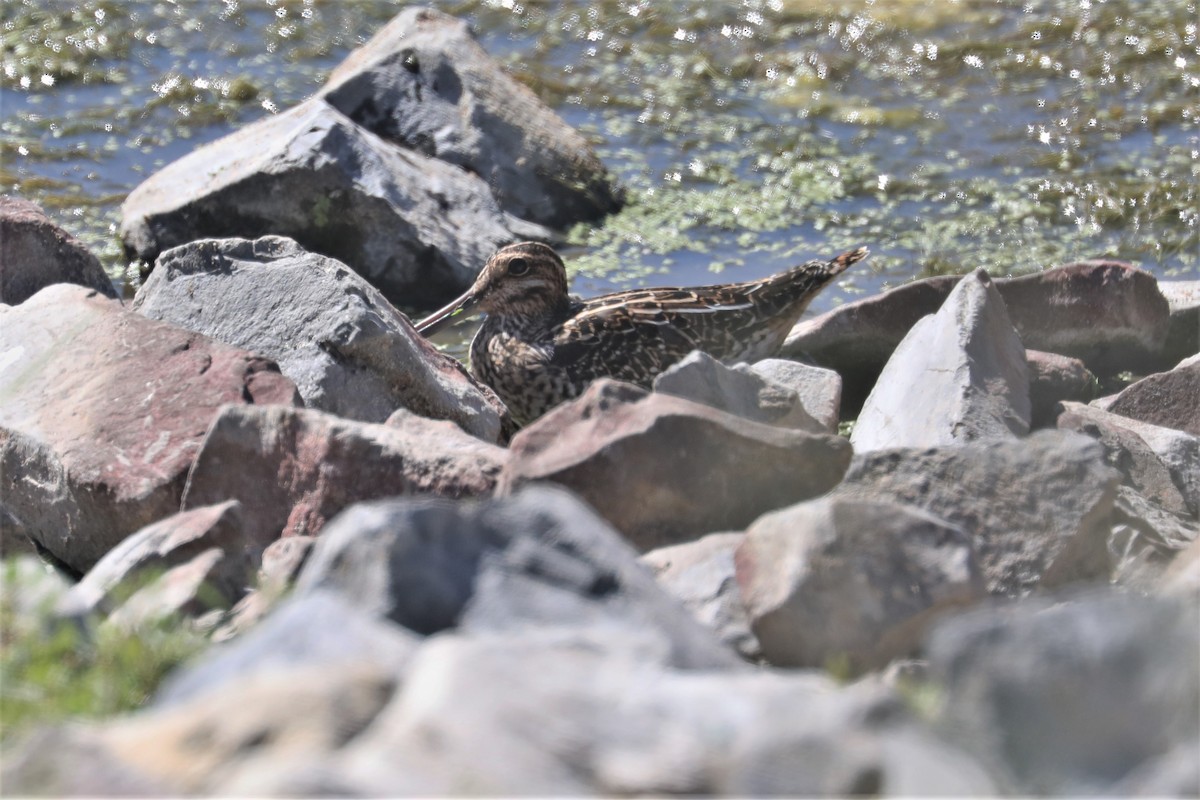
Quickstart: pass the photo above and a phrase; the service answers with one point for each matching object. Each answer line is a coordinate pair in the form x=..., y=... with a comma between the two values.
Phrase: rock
x=958, y=376
x=424, y=83
x=30, y=590
x=36, y=253
x=820, y=389
x=417, y=228
x=836, y=579
x=68, y=760
x=1070, y=697
x=1145, y=539
x=1182, y=577
x=1108, y=314
x=700, y=575
x=1183, y=333
x=537, y=558
x=567, y=715
x=1176, y=774
x=144, y=556
x=737, y=390
x=1038, y=510
x=316, y=629
x=283, y=559
x=101, y=414
x=664, y=470
x=188, y=590
x=1166, y=399
x=1124, y=449
x=1054, y=379
x=347, y=349
x=294, y=469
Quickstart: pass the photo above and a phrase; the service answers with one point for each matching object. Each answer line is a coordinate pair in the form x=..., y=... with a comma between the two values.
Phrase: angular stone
x=540, y=557
x=958, y=376
x=188, y=590
x=1055, y=379
x=1038, y=510
x=101, y=414
x=1124, y=449
x=347, y=349
x=36, y=253
x=176, y=540
x=859, y=581
x=737, y=390
x=1070, y=697
x=664, y=470
x=294, y=469
x=1167, y=399
x=820, y=389
x=423, y=82
x=701, y=575
x=417, y=228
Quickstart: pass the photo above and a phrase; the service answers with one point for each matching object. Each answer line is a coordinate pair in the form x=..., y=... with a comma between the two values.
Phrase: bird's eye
x=518, y=267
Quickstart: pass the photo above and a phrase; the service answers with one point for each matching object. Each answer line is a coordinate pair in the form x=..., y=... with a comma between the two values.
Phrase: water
x=944, y=135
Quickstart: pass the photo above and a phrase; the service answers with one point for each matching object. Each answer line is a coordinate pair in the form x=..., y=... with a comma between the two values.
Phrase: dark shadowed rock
x=738, y=390
x=347, y=349
x=836, y=579
x=415, y=227
x=1183, y=334
x=294, y=469
x=701, y=575
x=1070, y=697
x=101, y=414
x=820, y=389
x=540, y=557
x=36, y=253
x=958, y=376
x=1167, y=399
x=1054, y=379
x=664, y=470
x=1106, y=313
x=423, y=82
x=1037, y=510
x=176, y=540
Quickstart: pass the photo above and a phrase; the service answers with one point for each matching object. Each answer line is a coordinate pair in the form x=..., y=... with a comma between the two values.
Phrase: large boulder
x=294, y=469
x=664, y=470
x=1167, y=399
x=858, y=582
x=102, y=412
x=1038, y=510
x=958, y=376
x=423, y=82
x=538, y=558
x=36, y=253
x=347, y=349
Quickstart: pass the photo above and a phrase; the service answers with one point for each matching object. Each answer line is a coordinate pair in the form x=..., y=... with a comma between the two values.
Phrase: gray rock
x=738, y=390
x=191, y=591
x=1038, y=510
x=283, y=559
x=346, y=348
x=1167, y=399
x=101, y=414
x=836, y=579
x=145, y=555
x=69, y=760
x=820, y=389
x=294, y=469
x=1182, y=577
x=701, y=575
x=1055, y=379
x=417, y=228
x=1145, y=539
x=540, y=557
x=424, y=83
x=1070, y=697
x=316, y=629
x=1176, y=774
x=1183, y=334
x=665, y=470
x=36, y=253
x=958, y=376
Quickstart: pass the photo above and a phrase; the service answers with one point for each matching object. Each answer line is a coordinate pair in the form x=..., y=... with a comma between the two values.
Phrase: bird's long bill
x=457, y=309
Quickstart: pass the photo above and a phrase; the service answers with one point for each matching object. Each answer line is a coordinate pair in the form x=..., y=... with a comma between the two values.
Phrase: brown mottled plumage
x=540, y=346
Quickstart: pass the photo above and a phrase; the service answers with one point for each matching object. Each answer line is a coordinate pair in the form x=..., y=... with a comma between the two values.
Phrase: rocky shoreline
x=990, y=586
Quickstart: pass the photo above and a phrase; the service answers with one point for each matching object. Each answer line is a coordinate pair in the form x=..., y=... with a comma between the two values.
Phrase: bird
x=540, y=346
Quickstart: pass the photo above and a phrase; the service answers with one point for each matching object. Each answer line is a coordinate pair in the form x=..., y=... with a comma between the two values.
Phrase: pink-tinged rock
x=1055, y=379
x=36, y=253
x=665, y=470
x=102, y=412
x=1167, y=399
x=293, y=469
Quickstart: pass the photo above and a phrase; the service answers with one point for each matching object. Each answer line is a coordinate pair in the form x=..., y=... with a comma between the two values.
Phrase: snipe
x=540, y=346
